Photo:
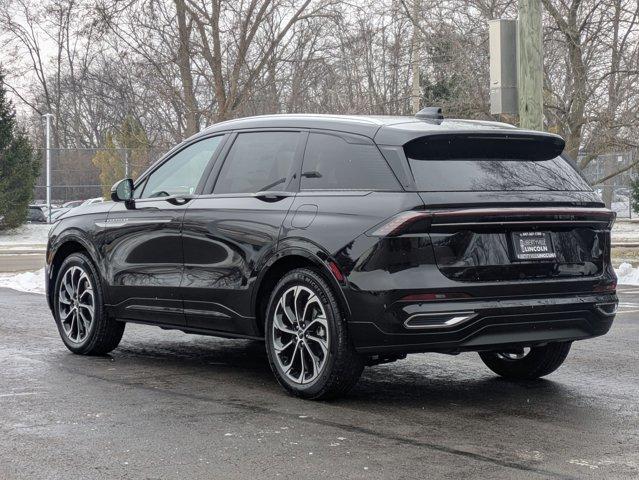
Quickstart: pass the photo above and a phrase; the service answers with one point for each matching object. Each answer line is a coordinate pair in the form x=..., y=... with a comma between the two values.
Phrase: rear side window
x=332, y=163
x=462, y=164
x=258, y=162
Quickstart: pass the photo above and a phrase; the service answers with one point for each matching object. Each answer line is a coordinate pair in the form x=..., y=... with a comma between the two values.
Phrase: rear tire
x=307, y=340
x=83, y=324
x=537, y=362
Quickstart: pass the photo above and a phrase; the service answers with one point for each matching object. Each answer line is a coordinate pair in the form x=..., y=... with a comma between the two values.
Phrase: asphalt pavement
x=20, y=261
x=167, y=405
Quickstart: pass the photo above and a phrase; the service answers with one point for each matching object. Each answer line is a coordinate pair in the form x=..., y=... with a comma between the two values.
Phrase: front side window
x=181, y=174
x=257, y=162
x=332, y=163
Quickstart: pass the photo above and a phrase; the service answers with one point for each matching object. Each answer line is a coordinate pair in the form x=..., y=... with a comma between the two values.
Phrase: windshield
x=463, y=164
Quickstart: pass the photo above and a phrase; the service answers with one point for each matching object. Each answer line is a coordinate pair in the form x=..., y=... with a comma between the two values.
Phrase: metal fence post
x=126, y=163
x=47, y=117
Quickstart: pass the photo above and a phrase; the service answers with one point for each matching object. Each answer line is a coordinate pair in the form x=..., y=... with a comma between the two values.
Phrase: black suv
x=346, y=241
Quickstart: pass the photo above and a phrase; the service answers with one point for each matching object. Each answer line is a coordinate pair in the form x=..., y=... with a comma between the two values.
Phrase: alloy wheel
x=300, y=335
x=76, y=304
x=513, y=355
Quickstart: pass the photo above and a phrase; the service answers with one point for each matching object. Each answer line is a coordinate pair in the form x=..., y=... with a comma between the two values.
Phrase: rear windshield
x=462, y=164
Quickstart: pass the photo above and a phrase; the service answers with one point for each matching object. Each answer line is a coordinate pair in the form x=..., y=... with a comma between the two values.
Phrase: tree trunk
x=191, y=113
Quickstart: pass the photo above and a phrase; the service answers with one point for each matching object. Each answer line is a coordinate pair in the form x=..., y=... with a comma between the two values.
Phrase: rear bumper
x=485, y=324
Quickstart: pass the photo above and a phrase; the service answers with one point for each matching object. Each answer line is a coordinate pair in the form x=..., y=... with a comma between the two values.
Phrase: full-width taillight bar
x=486, y=216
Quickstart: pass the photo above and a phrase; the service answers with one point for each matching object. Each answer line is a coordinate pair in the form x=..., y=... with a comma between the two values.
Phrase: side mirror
x=122, y=191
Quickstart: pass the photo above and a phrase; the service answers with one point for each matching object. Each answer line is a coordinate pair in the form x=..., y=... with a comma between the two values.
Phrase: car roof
x=385, y=130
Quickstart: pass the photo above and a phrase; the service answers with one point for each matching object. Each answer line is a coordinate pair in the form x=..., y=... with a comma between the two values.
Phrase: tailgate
x=515, y=243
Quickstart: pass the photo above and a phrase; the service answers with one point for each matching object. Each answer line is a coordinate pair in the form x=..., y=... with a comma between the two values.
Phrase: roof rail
x=430, y=114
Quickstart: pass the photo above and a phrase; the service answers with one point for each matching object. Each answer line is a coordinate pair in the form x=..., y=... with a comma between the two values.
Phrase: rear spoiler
x=403, y=133
x=485, y=146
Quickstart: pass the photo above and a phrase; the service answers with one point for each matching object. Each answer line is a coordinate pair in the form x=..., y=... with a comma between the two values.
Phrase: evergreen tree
x=19, y=166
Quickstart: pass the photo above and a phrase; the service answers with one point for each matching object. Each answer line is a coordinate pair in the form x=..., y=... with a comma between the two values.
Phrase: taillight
x=399, y=223
x=606, y=287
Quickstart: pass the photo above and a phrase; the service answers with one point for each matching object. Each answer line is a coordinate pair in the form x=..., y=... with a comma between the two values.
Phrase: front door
x=228, y=232
x=143, y=248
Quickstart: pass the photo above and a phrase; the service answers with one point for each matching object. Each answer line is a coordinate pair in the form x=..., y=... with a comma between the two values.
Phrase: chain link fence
x=84, y=173
x=618, y=188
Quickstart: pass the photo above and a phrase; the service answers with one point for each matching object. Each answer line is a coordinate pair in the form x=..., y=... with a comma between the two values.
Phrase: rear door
x=143, y=242
x=235, y=224
x=508, y=208
x=346, y=188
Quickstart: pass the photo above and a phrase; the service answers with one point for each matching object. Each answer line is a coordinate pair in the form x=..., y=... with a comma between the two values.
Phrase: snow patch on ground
x=32, y=282
x=28, y=235
x=627, y=274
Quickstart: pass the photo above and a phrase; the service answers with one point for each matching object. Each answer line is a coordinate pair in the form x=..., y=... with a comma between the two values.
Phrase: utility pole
x=530, y=65
x=415, y=60
x=502, y=41
x=47, y=117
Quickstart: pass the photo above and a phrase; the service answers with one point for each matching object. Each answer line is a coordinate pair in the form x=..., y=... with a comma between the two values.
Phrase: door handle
x=180, y=200
x=273, y=196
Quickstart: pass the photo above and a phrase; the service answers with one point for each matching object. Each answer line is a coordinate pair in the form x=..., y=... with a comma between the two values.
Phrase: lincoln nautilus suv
x=343, y=242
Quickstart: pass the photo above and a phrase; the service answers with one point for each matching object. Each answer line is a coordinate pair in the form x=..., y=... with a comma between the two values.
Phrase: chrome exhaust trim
x=437, y=320
x=607, y=309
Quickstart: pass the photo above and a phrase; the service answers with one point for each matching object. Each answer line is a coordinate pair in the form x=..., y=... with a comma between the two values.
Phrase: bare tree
x=176, y=65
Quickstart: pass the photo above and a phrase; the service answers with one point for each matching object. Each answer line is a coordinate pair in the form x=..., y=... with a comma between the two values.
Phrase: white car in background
x=58, y=212
x=72, y=203
x=91, y=201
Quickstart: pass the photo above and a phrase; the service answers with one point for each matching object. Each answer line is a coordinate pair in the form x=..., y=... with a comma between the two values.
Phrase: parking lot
x=168, y=405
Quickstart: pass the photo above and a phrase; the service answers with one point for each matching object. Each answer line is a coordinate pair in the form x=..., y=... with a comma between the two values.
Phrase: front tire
x=307, y=341
x=526, y=364
x=79, y=312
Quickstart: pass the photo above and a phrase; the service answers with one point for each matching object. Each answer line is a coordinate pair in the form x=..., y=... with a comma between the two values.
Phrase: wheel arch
x=281, y=263
x=64, y=247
